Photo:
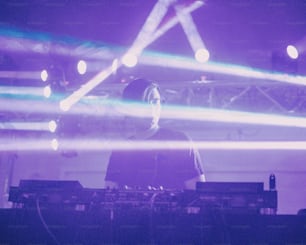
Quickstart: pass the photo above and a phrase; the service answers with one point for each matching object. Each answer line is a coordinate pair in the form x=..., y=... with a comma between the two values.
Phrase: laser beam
x=127, y=145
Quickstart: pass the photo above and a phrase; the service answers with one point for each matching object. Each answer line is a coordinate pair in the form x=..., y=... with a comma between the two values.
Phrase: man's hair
x=138, y=90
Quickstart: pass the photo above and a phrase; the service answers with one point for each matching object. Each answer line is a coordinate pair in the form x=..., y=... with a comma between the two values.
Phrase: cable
x=44, y=223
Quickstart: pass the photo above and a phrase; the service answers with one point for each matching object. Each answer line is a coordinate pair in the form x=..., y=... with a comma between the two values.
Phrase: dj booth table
x=52, y=212
x=18, y=226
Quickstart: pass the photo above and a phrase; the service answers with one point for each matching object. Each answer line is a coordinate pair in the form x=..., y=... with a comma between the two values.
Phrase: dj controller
x=64, y=212
x=248, y=197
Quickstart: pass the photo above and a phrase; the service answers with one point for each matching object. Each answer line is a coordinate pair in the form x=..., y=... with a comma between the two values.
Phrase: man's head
x=144, y=98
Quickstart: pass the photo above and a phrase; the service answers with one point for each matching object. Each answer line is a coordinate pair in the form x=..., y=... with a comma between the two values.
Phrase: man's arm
x=196, y=161
x=191, y=183
x=112, y=171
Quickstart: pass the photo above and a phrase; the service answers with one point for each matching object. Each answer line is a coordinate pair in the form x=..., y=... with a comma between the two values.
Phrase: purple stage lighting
x=202, y=55
x=231, y=116
x=21, y=91
x=66, y=103
x=115, y=66
x=47, y=91
x=44, y=75
x=146, y=36
x=185, y=63
x=149, y=27
x=214, y=115
x=129, y=60
x=20, y=74
x=92, y=144
x=25, y=126
x=54, y=144
x=192, y=34
x=52, y=126
x=82, y=67
x=292, y=52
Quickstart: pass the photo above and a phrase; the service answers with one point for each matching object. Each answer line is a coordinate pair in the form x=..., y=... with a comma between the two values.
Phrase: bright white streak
x=22, y=90
x=140, y=43
x=190, y=29
x=157, y=13
x=108, y=145
x=149, y=34
x=216, y=115
x=50, y=45
x=116, y=109
x=15, y=144
x=54, y=144
x=213, y=115
x=66, y=104
x=34, y=126
x=88, y=106
x=172, y=22
x=185, y=63
x=21, y=74
x=25, y=106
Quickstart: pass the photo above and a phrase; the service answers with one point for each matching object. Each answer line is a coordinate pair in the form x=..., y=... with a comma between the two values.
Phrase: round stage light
x=54, y=144
x=44, y=75
x=130, y=60
x=47, y=91
x=202, y=55
x=52, y=126
x=292, y=52
x=64, y=105
x=82, y=67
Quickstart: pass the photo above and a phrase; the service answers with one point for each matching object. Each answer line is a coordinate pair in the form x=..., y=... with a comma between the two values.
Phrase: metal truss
x=251, y=96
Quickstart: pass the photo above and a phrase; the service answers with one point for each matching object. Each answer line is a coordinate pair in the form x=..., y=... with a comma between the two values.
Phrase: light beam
x=89, y=144
x=192, y=34
x=185, y=63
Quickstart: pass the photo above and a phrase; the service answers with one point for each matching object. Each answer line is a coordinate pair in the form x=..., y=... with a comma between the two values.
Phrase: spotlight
x=52, y=126
x=148, y=34
x=200, y=52
x=115, y=66
x=47, y=91
x=129, y=60
x=82, y=67
x=64, y=105
x=54, y=144
x=202, y=55
x=292, y=52
x=44, y=75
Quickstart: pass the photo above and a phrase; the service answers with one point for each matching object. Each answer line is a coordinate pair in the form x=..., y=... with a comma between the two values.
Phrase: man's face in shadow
x=145, y=114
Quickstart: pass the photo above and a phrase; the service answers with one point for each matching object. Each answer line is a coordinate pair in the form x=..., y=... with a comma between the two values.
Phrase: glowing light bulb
x=82, y=67
x=202, y=55
x=54, y=144
x=44, y=75
x=292, y=52
x=52, y=126
x=47, y=91
x=130, y=60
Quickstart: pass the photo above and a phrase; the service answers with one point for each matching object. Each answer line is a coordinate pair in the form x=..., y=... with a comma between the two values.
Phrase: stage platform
x=130, y=226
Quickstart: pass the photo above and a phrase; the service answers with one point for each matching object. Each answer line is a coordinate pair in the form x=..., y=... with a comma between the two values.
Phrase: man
x=168, y=168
